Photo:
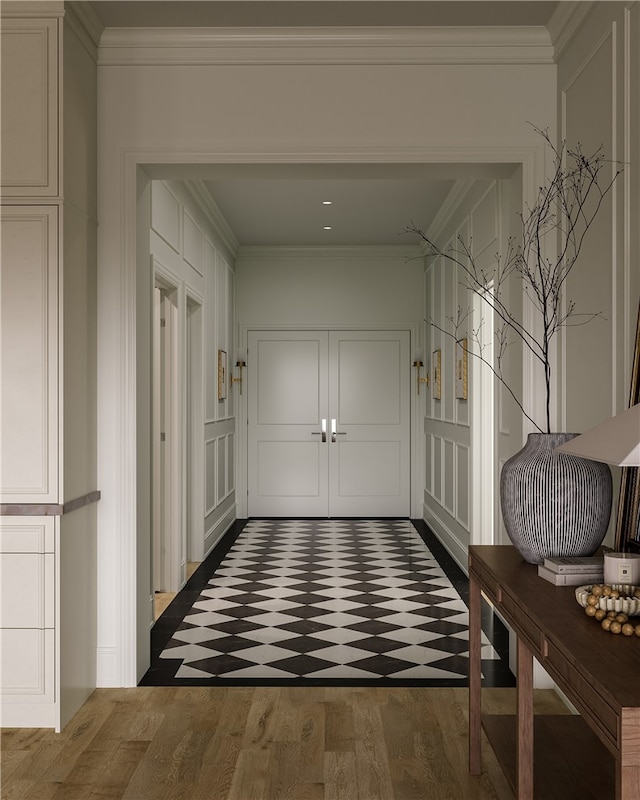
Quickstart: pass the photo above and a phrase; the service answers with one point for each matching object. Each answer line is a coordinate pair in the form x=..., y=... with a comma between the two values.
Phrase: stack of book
x=572, y=571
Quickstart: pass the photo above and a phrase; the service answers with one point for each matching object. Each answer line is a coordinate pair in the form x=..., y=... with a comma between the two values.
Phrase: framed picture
x=461, y=369
x=628, y=519
x=222, y=375
x=436, y=375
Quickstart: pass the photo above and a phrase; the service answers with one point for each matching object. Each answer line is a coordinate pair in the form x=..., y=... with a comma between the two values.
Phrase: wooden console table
x=593, y=755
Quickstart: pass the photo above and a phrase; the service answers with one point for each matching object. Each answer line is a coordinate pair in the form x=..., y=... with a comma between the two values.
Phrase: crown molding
x=200, y=194
x=86, y=24
x=244, y=46
x=565, y=22
x=452, y=202
x=326, y=253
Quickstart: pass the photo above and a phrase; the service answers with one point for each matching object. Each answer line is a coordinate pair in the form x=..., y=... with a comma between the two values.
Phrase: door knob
x=322, y=432
x=334, y=432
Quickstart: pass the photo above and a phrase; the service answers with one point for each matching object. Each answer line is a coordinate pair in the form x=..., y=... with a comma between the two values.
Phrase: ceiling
x=284, y=206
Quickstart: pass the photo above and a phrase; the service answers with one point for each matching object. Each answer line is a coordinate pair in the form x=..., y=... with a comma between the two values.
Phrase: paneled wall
x=463, y=437
x=598, y=91
x=189, y=257
x=48, y=458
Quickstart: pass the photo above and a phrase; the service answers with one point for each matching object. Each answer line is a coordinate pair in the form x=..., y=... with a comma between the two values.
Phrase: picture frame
x=222, y=375
x=436, y=375
x=462, y=367
x=628, y=519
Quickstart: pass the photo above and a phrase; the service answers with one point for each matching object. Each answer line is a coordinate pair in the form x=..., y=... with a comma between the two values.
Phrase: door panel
x=369, y=380
x=287, y=401
x=355, y=383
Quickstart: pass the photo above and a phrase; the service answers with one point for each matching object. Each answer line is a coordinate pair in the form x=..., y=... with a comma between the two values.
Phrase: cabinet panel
x=29, y=355
x=27, y=534
x=29, y=92
x=27, y=662
x=27, y=595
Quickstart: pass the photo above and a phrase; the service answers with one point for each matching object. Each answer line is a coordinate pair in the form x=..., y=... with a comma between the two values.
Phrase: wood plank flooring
x=268, y=743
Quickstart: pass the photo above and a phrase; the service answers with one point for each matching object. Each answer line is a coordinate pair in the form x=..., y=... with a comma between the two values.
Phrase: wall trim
x=324, y=252
x=565, y=22
x=366, y=45
x=201, y=196
x=107, y=667
x=218, y=530
x=86, y=25
x=452, y=202
x=452, y=545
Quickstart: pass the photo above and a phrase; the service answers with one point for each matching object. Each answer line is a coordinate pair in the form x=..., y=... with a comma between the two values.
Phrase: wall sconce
x=241, y=365
x=418, y=365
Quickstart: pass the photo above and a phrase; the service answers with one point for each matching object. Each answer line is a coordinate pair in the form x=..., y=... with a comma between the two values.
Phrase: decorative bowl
x=626, y=603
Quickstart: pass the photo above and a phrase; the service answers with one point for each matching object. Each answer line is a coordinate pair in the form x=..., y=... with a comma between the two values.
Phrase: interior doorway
x=329, y=423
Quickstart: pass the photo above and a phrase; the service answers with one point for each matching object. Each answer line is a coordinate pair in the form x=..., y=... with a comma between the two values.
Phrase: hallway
x=323, y=602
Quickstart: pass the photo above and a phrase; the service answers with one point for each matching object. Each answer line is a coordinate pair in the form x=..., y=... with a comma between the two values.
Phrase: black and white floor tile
x=322, y=601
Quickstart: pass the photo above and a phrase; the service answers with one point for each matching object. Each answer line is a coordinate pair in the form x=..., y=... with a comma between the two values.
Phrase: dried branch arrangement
x=565, y=208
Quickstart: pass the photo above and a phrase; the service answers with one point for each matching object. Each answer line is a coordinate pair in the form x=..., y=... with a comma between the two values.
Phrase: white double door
x=328, y=423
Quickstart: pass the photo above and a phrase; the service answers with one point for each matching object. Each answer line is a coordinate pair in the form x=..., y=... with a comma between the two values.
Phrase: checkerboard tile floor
x=323, y=601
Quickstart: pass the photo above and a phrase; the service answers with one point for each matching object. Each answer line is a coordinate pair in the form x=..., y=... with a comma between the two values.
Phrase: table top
x=608, y=660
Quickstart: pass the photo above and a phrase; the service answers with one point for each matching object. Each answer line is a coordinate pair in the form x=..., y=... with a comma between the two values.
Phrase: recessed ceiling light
x=327, y=227
x=327, y=202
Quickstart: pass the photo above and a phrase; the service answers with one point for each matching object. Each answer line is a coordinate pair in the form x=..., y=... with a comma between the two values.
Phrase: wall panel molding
x=234, y=46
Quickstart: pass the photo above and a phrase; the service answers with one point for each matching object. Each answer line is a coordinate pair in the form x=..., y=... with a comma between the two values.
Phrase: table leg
x=628, y=761
x=524, y=758
x=475, y=677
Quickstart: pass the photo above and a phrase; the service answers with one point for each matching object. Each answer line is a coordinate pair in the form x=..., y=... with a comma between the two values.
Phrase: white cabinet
x=30, y=144
x=28, y=621
x=47, y=365
x=29, y=343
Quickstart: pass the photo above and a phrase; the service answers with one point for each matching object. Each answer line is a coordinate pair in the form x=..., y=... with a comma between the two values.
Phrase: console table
x=595, y=754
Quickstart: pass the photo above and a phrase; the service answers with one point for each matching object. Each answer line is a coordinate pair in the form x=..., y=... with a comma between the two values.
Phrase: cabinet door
x=29, y=97
x=27, y=619
x=29, y=440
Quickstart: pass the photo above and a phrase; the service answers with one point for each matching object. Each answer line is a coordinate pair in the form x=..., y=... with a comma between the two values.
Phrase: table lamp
x=615, y=441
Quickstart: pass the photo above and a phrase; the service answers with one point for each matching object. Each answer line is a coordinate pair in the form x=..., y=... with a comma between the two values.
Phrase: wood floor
x=162, y=600
x=237, y=743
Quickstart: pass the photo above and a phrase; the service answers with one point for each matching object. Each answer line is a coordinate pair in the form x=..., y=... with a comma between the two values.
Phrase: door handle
x=322, y=432
x=334, y=432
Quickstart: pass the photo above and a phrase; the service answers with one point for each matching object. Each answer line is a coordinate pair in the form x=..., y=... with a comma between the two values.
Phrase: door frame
x=167, y=468
x=416, y=462
x=124, y=306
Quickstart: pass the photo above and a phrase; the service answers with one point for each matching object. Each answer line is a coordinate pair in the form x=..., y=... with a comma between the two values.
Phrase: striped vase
x=554, y=504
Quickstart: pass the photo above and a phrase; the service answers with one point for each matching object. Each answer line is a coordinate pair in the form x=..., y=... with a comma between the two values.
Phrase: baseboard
x=215, y=533
x=107, y=670
x=452, y=545
x=29, y=715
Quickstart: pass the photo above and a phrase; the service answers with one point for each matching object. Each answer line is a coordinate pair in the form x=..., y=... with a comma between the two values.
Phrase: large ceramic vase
x=554, y=504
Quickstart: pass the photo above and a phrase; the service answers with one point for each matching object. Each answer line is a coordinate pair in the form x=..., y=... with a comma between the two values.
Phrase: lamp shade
x=615, y=441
